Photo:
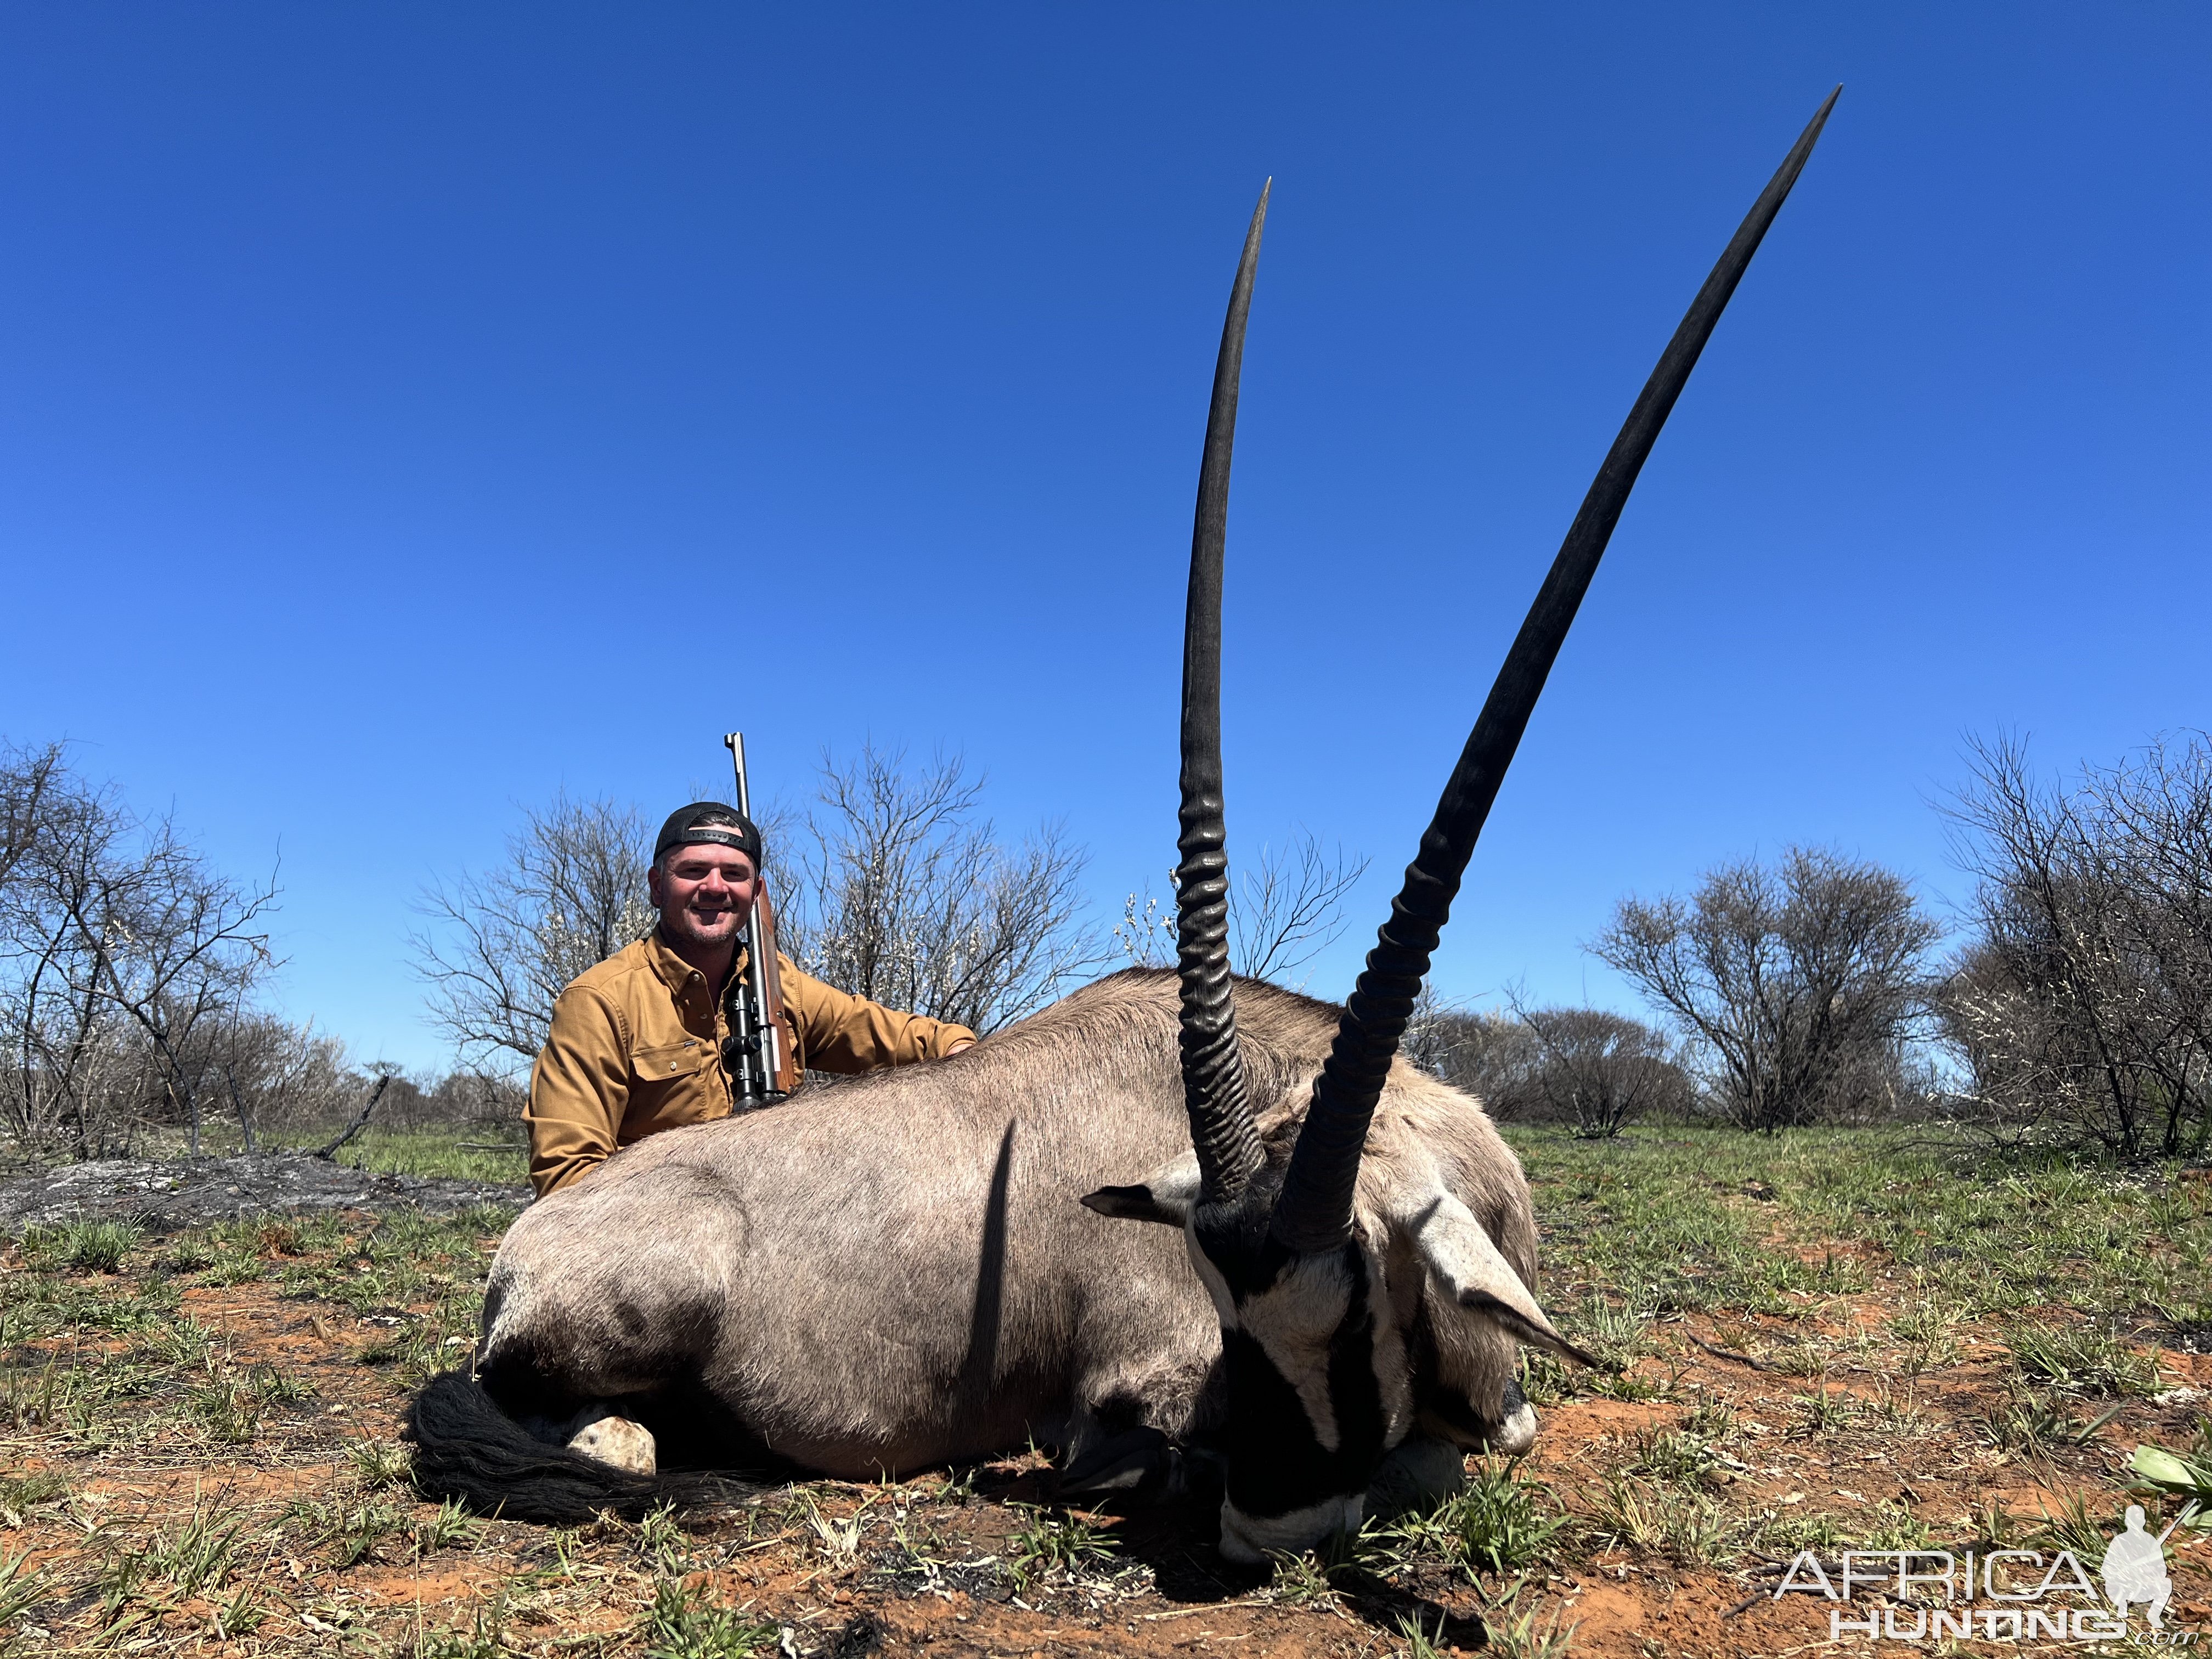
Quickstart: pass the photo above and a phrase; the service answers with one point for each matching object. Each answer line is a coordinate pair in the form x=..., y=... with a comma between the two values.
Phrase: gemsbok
x=931, y=1265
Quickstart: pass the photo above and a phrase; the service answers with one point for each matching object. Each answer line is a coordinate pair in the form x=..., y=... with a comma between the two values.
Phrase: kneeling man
x=636, y=1042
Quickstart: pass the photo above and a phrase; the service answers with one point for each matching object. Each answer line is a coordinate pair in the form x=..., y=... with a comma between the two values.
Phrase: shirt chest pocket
x=669, y=1061
x=671, y=1084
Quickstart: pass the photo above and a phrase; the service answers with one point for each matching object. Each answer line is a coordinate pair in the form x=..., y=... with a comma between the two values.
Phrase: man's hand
x=964, y=1042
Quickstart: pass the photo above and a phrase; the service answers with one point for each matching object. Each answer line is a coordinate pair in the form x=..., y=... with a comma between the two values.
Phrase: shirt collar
x=673, y=971
x=676, y=972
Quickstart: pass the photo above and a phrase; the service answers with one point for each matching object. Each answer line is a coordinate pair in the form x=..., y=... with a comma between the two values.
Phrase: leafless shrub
x=30, y=778
x=1286, y=907
x=2086, y=999
x=1489, y=1055
x=1595, y=1070
x=1598, y=1069
x=502, y=946
x=902, y=892
x=273, y=1074
x=1798, y=987
x=126, y=961
x=1432, y=1033
x=1146, y=933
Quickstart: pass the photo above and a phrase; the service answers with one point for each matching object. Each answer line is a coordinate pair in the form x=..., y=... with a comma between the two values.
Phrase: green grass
x=1672, y=1455
x=2074, y=1267
x=1774, y=1244
x=2082, y=1359
x=1045, y=1543
x=350, y=1529
x=21, y=1587
x=194, y=1557
x=1500, y=1520
x=177, y=1381
x=1654, y=1517
x=480, y=1638
x=80, y=1246
x=24, y=1491
x=462, y=1151
x=1514, y=1634
x=380, y=1462
x=1667, y=1220
x=684, y=1624
x=458, y=1152
x=447, y=1526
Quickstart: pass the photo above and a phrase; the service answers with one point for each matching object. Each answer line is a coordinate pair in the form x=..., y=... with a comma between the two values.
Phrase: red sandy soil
x=1939, y=1467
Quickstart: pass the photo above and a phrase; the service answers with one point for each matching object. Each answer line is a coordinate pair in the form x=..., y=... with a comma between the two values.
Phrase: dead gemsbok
x=929, y=1265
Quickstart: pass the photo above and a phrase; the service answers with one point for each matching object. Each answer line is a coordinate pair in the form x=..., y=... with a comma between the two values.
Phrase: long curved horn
x=1221, y=1127
x=1315, y=1210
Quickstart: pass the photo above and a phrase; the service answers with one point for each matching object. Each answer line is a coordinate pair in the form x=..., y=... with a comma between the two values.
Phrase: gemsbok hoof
x=615, y=1441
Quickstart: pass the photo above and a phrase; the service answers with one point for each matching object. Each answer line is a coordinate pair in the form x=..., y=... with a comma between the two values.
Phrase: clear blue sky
x=414, y=410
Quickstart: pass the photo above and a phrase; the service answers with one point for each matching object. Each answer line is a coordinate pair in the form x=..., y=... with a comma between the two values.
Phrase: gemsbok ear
x=1458, y=1253
x=1167, y=1195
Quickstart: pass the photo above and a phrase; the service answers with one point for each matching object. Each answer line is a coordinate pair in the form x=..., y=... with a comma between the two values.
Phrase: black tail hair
x=466, y=1448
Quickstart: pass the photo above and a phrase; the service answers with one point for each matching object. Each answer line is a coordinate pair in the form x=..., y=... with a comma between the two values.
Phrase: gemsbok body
x=1335, y=1258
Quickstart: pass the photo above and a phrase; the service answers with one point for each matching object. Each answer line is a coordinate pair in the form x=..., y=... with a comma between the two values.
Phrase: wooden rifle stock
x=785, y=1078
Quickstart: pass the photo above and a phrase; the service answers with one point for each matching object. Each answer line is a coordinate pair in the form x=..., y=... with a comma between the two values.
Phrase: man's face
x=703, y=893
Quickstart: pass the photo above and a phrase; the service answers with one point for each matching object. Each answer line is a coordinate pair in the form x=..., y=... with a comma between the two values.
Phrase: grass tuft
x=1044, y=1544
x=19, y=1492
x=1661, y=1519
x=1823, y=1412
x=2083, y=1359
x=195, y=1557
x=683, y=1625
x=448, y=1525
x=1498, y=1521
x=22, y=1587
x=380, y=1462
x=484, y=1638
x=1516, y=1635
x=80, y=1246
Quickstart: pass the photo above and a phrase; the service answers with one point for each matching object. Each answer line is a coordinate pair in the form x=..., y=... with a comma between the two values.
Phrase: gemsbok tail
x=466, y=1448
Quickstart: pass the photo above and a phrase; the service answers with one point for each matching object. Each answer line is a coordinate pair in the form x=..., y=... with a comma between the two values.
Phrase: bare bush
x=2086, y=999
x=1797, y=987
x=274, y=1074
x=29, y=780
x=1598, y=1069
x=1146, y=933
x=1488, y=1054
x=894, y=888
x=1432, y=1036
x=1286, y=907
x=903, y=893
x=503, y=947
x=126, y=961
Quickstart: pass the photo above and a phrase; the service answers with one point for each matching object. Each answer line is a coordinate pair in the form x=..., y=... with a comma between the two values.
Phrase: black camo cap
x=709, y=822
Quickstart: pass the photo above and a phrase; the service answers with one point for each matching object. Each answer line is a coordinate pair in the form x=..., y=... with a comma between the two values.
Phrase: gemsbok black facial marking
x=1314, y=1378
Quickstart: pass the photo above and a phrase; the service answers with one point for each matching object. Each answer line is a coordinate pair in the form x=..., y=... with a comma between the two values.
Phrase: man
x=636, y=1042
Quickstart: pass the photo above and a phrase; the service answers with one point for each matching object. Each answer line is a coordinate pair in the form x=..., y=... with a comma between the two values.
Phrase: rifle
x=761, y=1072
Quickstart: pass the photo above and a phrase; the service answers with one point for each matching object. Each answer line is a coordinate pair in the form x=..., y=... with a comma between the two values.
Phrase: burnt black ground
x=165, y=1196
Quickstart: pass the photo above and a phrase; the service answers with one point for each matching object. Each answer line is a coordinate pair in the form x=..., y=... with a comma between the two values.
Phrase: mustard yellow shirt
x=636, y=1048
